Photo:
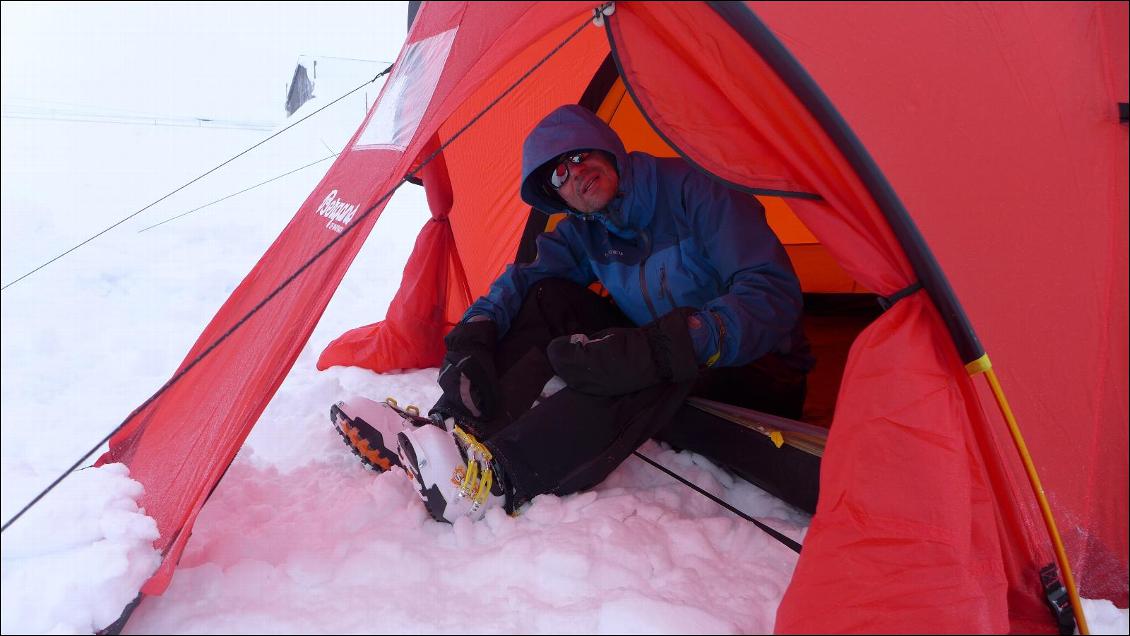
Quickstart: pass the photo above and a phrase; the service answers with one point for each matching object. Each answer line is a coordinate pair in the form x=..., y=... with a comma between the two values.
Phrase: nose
x=581, y=169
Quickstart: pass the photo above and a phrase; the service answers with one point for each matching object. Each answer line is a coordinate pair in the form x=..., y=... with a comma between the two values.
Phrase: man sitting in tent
x=702, y=298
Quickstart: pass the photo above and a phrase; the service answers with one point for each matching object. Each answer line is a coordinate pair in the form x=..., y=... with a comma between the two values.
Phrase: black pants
x=571, y=441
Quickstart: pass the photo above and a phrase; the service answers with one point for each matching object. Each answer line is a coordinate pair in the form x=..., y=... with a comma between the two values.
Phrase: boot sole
x=364, y=440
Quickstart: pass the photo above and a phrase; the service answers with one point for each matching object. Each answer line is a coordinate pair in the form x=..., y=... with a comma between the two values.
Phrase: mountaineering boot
x=452, y=471
x=369, y=428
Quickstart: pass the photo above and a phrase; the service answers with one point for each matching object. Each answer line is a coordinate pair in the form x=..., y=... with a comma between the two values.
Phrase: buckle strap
x=1057, y=599
x=886, y=302
x=478, y=477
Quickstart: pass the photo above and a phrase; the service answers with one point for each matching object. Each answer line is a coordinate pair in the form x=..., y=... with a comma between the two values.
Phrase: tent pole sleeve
x=742, y=19
x=1038, y=490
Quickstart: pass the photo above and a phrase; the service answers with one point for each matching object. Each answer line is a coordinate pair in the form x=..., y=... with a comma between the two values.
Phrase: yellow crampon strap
x=479, y=477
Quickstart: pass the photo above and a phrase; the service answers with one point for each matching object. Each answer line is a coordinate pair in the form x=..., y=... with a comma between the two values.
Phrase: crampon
x=370, y=428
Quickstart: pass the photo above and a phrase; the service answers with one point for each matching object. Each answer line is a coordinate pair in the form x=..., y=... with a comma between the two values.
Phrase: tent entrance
x=832, y=321
x=837, y=307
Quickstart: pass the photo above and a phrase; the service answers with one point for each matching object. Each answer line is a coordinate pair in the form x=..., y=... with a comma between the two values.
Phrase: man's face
x=590, y=180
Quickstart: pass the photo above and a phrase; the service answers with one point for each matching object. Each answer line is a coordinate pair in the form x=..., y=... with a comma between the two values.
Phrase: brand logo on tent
x=337, y=211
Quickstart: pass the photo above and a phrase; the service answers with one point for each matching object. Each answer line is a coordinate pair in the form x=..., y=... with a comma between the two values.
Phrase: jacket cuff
x=701, y=327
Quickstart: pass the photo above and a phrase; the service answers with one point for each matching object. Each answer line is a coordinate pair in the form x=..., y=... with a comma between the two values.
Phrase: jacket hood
x=569, y=128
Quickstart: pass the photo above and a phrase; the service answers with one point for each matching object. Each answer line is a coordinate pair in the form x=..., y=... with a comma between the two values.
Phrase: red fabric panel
x=906, y=534
x=181, y=444
x=997, y=125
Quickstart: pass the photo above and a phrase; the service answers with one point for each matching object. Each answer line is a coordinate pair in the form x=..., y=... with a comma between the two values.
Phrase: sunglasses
x=560, y=174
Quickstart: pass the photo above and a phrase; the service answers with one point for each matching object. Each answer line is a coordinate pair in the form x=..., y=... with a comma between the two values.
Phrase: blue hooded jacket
x=671, y=237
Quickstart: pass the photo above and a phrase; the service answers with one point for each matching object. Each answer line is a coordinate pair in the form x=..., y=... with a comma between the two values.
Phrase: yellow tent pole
x=982, y=365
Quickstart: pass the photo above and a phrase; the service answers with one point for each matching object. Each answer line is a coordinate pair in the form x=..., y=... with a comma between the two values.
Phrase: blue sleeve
x=559, y=256
x=763, y=301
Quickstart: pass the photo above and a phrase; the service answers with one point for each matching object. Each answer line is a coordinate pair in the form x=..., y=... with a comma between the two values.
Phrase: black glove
x=624, y=360
x=467, y=377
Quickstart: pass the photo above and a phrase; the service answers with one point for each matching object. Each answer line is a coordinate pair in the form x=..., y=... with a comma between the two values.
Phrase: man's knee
x=554, y=288
x=557, y=297
x=564, y=307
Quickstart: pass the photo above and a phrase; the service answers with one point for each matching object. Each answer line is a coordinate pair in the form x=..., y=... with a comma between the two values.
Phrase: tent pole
x=982, y=365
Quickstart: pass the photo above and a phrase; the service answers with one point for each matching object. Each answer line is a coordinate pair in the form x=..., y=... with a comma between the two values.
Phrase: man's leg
x=553, y=308
x=573, y=441
x=767, y=384
x=568, y=441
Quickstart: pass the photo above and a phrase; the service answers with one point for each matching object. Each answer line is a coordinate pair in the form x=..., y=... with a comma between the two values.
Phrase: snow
x=298, y=536
x=73, y=562
x=1104, y=618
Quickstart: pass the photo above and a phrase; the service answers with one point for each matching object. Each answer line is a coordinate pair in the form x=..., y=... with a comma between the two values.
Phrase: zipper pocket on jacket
x=643, y=277
x=664, y=288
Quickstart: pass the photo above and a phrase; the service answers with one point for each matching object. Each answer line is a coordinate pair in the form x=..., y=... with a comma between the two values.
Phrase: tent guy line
x=261, y=183
x=237, y=156
x=785, y=541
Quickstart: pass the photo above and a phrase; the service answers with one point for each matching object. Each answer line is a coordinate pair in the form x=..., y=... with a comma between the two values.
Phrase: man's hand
x=467, y=376
x=624, y=360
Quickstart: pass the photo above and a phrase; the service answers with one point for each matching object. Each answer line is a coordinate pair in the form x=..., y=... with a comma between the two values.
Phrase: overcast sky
x=228, y=60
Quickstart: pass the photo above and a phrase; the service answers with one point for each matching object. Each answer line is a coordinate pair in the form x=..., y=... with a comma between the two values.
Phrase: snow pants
x=568, y=441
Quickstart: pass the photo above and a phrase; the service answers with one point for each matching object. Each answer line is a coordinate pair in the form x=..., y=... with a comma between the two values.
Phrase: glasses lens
x=559, y=176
